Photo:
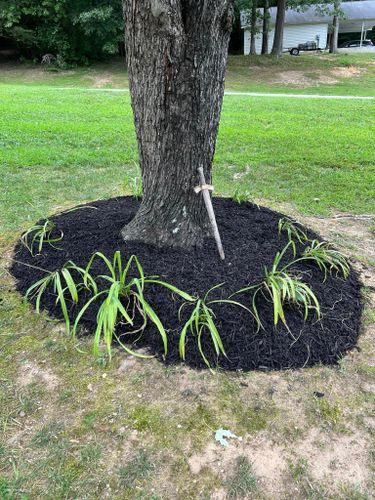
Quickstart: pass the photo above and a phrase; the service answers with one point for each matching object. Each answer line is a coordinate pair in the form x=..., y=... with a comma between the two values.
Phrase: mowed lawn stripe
x=66, y=147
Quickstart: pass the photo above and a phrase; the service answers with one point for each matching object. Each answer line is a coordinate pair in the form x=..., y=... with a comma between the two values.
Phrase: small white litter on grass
x=221, y=435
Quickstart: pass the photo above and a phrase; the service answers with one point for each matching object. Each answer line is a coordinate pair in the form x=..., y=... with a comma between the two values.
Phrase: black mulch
x=251, y=240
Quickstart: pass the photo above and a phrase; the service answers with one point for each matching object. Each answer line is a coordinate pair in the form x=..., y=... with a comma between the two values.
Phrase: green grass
x=75, y=427
x=243, y=481
x=310, y=74
x=59, y=148
x=136, y=470
x=244, y=74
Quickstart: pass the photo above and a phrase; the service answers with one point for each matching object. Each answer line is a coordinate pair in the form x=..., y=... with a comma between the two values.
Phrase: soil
x=102, y=80
x=316, y=78
x=251, y=240
x=347, y=71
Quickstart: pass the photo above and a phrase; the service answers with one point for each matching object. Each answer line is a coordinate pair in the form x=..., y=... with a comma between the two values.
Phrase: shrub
x=73, y=31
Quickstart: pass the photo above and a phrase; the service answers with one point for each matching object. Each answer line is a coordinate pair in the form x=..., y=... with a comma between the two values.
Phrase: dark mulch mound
x=251, y=240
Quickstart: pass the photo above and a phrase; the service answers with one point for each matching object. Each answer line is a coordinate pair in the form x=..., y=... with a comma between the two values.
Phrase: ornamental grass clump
x=282, y=287
x=64, y=285
x=36, y=236
x=123, y=300
x=202, y=321
x=293, y=232
x=327, y=258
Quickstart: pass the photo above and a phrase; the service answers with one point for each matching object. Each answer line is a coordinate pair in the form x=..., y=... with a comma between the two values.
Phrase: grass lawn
x=329, y=74
x=72, y=426
x=316, y=155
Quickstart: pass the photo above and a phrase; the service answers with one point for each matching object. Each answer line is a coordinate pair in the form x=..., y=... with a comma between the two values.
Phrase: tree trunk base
x=176, y=53
x=164, y=230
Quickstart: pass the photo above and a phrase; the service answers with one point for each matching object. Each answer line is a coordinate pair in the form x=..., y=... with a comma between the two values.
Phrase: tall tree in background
x=282, y=5
x=251, y=12
x=277, y=48
x=177, y=53
x=253, y=27
x=335, y=27
x=334, y=10
x=266, y=26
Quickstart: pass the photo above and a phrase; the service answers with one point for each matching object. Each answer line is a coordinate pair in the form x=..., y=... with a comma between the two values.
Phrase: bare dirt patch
x=100, y=81
x=332, y=460
x=338, y=459
x=327, y=80
x=30, y=372
x=301, y=79
x=297, y=78
x=347, y=71
x=316, y=78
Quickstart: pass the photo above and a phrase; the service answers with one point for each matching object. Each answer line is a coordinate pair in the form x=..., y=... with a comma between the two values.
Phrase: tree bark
x=334, y=35
x=266, y=26
x=176, y=53
x=253, y=27
x=277, y=48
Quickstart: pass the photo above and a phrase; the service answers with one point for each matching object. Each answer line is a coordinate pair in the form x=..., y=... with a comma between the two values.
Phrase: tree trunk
x=266, y=27
x=253, y=27
x=176, y=53
x=334, y=35
x=277, y=48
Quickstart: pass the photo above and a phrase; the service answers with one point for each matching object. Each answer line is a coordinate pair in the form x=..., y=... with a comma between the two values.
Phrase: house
x=312, y=26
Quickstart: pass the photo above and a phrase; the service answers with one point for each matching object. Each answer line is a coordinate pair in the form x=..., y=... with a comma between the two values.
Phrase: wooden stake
x=205, y=189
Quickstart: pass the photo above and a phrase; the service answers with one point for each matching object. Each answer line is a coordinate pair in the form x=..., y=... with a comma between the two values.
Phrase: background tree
x=282, y=5
x=337, y=13
x=74, y=30
x=277, y=48
x=177, y=53
x=251, y=12
x=253, y=27
x=266, y=26
x=335, y=29
x=236, y=40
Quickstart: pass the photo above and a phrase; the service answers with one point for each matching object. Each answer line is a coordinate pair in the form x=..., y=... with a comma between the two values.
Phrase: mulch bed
x=251, y=240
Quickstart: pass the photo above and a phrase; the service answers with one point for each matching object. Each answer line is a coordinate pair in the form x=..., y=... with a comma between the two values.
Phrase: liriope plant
x=64, y=285
x=327, y=258
x=202, y=320
x=280, y=287
x=123, y=300
x=39, y=235
x=293, y=231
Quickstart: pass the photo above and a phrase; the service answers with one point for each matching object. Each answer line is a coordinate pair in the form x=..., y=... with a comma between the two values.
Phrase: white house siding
x=294, y=34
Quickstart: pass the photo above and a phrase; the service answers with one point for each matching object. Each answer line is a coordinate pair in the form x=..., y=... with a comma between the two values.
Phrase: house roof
x=354, y=14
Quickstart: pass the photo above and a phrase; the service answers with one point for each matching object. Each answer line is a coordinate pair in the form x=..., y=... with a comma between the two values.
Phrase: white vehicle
x=354, y=44
x=357, y=46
